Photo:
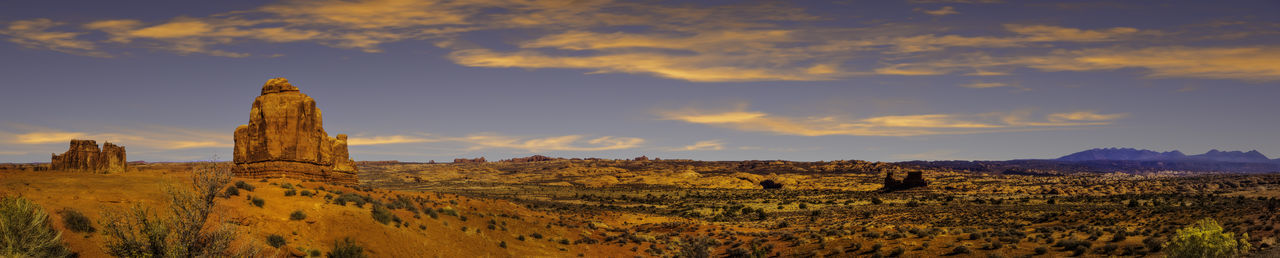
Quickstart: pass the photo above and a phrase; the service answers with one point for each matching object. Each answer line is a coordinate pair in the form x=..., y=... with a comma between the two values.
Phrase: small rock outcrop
x=534, y=158
x=475, y=160
x=914, y=179
x=285, y=138
x=84, y=155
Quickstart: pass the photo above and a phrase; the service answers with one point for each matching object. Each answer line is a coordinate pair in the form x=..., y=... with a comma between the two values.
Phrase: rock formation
x=475, y=160
x=534, y=158
x=285, y=137
x=84, y=155
x=914, y=179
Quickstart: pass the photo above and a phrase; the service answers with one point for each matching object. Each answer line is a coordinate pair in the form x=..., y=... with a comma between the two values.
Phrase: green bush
x=346, y=248
x=382, y=214
x=290, y=192
x=245, y=186
x=306, y=193
x=275, y=240
x=75, y=221
x=25, y=231
x=960, y=250
x=231, y=191
x=1206, y=238
x=297, y=215
x=699, y=247
x=342, y=199
x=258, y=202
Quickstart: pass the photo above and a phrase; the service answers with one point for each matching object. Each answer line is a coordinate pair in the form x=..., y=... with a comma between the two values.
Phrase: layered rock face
x=84, y=155
x=285, y=137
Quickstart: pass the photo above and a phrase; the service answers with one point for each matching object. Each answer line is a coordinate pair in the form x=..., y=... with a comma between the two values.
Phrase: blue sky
x=722, y=80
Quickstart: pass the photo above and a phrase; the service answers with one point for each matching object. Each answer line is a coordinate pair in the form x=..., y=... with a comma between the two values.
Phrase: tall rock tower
x=285, y=138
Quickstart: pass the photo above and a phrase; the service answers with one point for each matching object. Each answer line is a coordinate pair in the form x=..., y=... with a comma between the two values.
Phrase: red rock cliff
x=84, y=155
x=285, y=137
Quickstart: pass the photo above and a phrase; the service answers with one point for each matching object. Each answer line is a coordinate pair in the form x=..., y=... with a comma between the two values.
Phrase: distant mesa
x=285, y=138
x=84, y=155
x=1130, y=154
x=914, y=179
x=475, y=160
x=534, y=158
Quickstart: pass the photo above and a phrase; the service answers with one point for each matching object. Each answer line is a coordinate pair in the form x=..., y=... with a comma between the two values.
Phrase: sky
x=707, y=80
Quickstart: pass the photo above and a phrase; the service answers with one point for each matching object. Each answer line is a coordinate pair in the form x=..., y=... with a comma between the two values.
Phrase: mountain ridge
x=1132, y=154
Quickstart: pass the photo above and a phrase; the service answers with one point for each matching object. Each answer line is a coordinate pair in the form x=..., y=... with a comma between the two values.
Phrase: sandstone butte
x=285, y=138
x=84, y=155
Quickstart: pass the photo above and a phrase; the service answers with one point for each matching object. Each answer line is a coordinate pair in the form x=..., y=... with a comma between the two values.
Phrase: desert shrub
x=290, y=192
x=897, y=252
x=258, y=202
x=287, y=186
x=1041, y=250
x=699, y=247
x=342, y=199
x=231, y=191
x=1206, y=238
x=76, y=221
x=346, y=248
x=306, y=193
x=275, y=240
x=25, y=231
x=502, y=244
x=960, y=250
x=876, y=200
x=182, y=229
x=297, y=215
x=536, y=235
x=315, y=253
x=245, y=186
x=382, y=214
x=1153, y=244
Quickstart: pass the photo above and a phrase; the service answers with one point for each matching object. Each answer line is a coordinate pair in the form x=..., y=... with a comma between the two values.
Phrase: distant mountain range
x=1130, y=154
x=1119, y=160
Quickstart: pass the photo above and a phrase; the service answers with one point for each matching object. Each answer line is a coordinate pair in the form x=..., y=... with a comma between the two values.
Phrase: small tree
x=1206, y=238
x=182, y=229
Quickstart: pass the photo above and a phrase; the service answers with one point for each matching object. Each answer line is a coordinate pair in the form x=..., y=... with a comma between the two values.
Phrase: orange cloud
x=894, y=125
x=35, y=33
x=555, y=143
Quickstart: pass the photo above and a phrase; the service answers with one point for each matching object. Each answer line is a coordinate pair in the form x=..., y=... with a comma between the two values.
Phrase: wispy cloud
x=387, y=139
x=36, y=34
x=739, y=118
x=710, y=145
x=151, y=136
x=1241, y=63
x=555, y=143
x=695, y=42
x=945, y=10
